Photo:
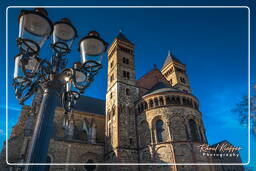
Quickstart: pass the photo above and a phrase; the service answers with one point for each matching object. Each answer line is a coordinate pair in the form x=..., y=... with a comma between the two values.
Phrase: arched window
x=173, y=101
x=156, y=102
x=48, y=160
x=90, y=167
x=168, y=100
x=150, y=103
x=141, y=107
x=177, y=100
x=160, y=130
x=193, y=131
x=145, y=105
x=184, y=100
x=113, y=111
x=161, y=100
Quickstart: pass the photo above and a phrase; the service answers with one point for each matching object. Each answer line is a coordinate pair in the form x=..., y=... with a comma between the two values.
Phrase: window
x=113, y=111
x=111, y=77
x=151, y=103
x=131, y=141
x=160, y=130
x=193, y=131
x=111, y=64
x=126, y=74
x=90, y=167
x=171, y=81
x=127, y=91
x=168, y=100
x=177, y=100
x=145, y=105
x=156, y=102
x=161, y=100
x=111, y=95
x=182, y=80
x=108, y=114
x=126, y=50
x=125, y=60
x=141, y=107
x=184, y=101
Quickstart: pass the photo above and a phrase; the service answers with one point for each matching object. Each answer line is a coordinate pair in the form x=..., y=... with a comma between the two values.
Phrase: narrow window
x=156, y=102
x=113, y=111
x=111, y=77
x=161, y=100
x=168, y=100
x=131, y=141
x=127, y=61
x=193, y=131
x=124, y=60
x=146, y=105
x=128, y=75
x=141, y=107
x=150, y=103
x=90, y=167
x=160, y=130
x=127, y=91
x=111, y=64
x=171, y=81
x=124, y=74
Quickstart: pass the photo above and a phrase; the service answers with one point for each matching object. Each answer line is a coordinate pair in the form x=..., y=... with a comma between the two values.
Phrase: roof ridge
x=170, y=57
x=122, y=37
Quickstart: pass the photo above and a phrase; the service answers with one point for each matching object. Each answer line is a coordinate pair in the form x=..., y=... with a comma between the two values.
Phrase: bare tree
x=242, y=110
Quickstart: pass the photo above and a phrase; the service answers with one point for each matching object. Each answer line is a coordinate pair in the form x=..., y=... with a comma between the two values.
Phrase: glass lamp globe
x=92, y=48
x=63, y=35
x=34, y=29
x=25, y=66
x=18, y=73
x=81, y=80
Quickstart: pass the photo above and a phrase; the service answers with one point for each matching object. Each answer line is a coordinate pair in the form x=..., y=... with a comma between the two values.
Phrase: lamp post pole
x=43, y=131
x=58, y=82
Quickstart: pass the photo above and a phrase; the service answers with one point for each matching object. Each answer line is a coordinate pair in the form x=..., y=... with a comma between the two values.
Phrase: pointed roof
x=122, y=37
x=170, y=57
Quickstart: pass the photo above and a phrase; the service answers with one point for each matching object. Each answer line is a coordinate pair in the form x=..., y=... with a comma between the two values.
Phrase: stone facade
x=154, y=119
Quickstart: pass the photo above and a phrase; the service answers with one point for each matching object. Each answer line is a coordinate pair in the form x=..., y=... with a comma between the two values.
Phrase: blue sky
x=211, y=42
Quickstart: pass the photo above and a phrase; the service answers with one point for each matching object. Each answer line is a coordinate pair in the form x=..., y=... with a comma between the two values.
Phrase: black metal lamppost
x=31, y=72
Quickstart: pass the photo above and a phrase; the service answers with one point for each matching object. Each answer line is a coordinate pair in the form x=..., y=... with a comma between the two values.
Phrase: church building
x=153, y=119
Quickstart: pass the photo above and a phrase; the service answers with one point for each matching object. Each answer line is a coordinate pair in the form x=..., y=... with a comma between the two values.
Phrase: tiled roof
x=90, y=105
x=122, y=37
x=162, y=87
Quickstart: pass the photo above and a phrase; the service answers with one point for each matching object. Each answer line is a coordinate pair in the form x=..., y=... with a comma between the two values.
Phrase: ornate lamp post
x=31, y=72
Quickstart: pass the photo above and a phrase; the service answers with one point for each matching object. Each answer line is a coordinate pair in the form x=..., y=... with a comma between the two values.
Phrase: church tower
x=121, y=94
x=175, y=72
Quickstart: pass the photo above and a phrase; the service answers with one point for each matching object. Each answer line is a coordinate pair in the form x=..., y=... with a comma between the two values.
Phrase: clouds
x=2, y=132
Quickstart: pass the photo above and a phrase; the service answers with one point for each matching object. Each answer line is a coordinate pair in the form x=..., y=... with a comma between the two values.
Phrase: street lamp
x=31, y=72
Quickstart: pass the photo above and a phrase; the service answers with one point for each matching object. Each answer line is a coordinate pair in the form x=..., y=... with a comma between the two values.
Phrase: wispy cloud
x=2, y=132
x=11, y=107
